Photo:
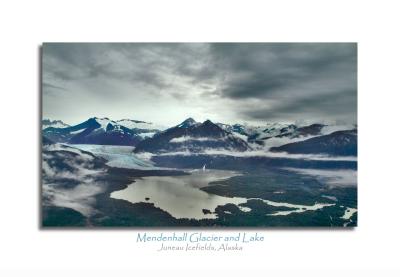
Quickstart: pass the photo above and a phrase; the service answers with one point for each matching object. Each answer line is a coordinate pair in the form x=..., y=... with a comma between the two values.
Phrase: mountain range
x=261, y=133
x=102, y=131
x=192, y=136
x=339, y=143
x=196, y=137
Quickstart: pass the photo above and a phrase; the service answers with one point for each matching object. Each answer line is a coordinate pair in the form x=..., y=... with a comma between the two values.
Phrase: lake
x=180, y=196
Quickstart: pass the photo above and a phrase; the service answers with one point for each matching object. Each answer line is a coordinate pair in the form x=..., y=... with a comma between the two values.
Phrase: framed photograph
x=199, y=135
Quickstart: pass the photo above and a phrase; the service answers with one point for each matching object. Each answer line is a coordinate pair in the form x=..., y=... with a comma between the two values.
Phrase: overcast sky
x=166, y=83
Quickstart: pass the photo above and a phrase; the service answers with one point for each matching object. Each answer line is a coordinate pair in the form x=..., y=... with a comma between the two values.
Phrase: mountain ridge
x=197, y=137
x=340, y=143
x=192, y=136
x=98, y=131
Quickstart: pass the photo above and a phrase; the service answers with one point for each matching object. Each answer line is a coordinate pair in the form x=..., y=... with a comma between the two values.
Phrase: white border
x=370, y=249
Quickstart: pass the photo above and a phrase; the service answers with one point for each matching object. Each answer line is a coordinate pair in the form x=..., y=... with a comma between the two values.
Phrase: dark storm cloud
x=263, y=70
x=255, y=81
x=308, y=80
x=76, y=61
x=321, y=107
x=137, y=63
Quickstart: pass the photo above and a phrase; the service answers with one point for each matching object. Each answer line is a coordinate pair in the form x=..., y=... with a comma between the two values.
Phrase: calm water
x=180, y=196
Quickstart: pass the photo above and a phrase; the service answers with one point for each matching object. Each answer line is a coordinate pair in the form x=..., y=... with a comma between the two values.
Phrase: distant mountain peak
x=187, y=123
x=193, y=137
x=100, y=118
x=339, y=143
x=53, y=123
x=46, y=120
x=132, y=120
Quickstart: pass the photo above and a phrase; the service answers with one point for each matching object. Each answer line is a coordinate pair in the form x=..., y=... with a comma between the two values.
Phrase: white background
x=371, y=248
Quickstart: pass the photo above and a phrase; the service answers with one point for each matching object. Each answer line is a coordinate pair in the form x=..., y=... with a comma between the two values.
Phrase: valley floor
x=108, y=186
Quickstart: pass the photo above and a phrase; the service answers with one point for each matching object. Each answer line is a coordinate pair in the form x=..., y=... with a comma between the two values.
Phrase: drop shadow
x=40, y=137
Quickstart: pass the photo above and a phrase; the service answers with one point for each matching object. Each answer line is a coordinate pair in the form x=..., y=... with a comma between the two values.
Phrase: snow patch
x=135, y=124
x=348, y=213
x=147, y=135
x=187, y=138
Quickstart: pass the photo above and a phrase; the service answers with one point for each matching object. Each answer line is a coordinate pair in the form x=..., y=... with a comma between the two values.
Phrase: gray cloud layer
x=230, y=82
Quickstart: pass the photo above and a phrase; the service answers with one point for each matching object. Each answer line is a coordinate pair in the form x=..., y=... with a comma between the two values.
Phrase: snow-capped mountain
x=192, y=136
x=343, y=143
x=272, y=130
x=142, y=128
x=53, y=123
x=259, y=134
x=100, y=131
x=189, y=122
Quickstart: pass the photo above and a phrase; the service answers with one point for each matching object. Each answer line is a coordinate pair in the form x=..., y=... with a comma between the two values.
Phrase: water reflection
x=180, y=196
